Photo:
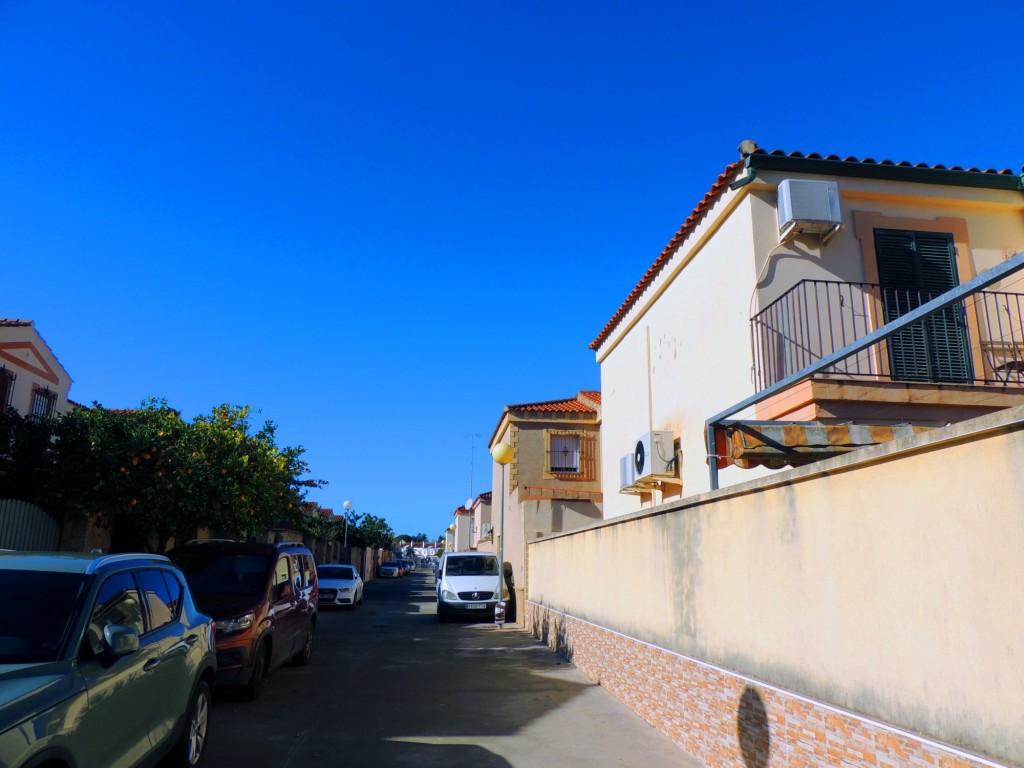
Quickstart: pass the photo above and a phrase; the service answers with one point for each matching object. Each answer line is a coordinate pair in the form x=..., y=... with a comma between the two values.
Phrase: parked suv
x=264, y=599
x=468, y=584
x=104, y=660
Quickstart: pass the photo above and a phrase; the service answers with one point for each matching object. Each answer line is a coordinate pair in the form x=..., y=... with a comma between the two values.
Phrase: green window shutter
x=913, y=268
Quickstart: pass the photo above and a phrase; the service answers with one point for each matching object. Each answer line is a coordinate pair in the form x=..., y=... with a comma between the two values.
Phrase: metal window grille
x=6, y=387
x=565, y=454
x=43, y=403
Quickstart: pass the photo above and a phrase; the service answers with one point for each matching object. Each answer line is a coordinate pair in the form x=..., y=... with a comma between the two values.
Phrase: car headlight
x=447, y=594
x=343, y=590
x=235, y=624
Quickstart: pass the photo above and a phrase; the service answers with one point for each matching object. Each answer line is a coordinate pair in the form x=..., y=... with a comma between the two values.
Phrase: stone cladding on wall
x=726, y=720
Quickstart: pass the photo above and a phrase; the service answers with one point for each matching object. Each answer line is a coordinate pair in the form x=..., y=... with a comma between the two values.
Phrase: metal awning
x=777, y=444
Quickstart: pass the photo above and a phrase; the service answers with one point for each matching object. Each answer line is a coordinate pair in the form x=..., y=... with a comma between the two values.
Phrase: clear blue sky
x=379, y=222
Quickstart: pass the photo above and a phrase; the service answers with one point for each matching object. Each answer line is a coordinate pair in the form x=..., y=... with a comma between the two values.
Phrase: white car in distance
x=339, y=585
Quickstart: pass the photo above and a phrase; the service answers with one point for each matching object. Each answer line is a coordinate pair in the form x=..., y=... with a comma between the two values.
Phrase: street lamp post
x=502, y=454
x=348, y=508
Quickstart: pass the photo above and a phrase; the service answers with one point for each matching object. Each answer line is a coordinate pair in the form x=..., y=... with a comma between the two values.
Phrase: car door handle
x=150, y=665
x=192, y=639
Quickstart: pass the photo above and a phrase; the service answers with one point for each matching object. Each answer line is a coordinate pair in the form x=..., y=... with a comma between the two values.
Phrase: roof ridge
x=724, y=179
x=749, y=157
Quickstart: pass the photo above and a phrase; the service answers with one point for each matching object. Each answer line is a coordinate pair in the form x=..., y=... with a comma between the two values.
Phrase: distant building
x=32, y=380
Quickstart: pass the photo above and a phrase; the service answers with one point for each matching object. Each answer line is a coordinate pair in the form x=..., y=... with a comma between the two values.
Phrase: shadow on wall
x=553, y=634
x=752, y=729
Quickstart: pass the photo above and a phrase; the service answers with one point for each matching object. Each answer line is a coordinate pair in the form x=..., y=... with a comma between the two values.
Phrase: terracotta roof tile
x=568, y=405
x=727, y=176
x=571, y=405
x=718, y=188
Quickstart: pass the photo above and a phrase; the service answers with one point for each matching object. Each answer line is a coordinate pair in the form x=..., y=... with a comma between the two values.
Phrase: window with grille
x=6, y=387
x=564, y=454
x=43, y=403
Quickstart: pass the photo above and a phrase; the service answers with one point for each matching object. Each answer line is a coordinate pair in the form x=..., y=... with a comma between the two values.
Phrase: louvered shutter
x=915, y=267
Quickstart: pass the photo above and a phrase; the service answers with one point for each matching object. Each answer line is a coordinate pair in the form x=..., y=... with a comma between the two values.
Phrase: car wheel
x=302, y=658
x=189, y=748
x=260, y=666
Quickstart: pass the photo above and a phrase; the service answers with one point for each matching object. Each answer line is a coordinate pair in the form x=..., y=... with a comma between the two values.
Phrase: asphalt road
x=391, y=686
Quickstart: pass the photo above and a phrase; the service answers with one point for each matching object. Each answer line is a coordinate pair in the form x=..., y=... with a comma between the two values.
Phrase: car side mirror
x=120, y=641
x=284, y=590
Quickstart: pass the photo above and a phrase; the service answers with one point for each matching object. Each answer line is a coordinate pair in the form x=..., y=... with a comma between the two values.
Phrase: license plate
x=476, y=606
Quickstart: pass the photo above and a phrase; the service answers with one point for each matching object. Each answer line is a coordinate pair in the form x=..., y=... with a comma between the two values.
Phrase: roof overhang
x=869, y=169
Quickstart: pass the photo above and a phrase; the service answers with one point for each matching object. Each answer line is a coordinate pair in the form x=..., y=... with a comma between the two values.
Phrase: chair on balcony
x=1006, y=359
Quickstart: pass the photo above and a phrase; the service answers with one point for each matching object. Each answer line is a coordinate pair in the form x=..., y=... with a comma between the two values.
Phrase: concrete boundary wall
x=873, y=597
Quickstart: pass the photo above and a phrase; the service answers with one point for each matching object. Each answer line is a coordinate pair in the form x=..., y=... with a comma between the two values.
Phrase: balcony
x=963, y=361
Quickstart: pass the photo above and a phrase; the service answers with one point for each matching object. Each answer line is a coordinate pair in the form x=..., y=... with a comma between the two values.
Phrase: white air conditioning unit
x=653, y=456
x=626, y=474
x=809, y=207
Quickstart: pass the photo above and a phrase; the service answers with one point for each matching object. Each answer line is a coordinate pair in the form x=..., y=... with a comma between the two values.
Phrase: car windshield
x=36, y=614
x=389, y=564
x=210, y=573
x=336, y=572
x=472, y=566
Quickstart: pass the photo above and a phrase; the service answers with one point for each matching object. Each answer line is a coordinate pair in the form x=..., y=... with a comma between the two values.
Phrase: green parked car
x=104, y=662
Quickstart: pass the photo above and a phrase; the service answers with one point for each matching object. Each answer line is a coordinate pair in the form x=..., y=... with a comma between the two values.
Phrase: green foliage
x=326, y=528
x=25, y=455
x=372, y=532
x=154, y=474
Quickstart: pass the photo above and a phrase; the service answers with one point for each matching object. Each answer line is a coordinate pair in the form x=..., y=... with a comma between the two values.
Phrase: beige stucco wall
x=683, y=354
x=528, y=505
x=687, y=358
x=481, y=518
x=889, y=582
x=463, y=530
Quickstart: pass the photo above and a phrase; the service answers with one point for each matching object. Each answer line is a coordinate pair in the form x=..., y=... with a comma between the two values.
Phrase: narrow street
x=391, y=686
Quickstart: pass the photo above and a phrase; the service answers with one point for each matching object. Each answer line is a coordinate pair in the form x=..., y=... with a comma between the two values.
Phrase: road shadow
x=389, y=685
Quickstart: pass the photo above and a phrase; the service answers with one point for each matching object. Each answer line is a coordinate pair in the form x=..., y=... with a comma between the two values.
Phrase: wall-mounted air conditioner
x=654, y=456
x=807, y=206
x=626, y=475
x=485, y=530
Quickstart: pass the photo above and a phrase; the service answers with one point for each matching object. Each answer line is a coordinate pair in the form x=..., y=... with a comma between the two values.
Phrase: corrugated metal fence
x=26, y=527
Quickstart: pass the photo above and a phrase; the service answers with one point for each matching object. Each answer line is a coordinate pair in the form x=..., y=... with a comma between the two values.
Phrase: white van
x=468, y=584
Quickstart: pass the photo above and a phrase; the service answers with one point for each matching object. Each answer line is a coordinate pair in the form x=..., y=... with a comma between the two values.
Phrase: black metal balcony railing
x=818, y=317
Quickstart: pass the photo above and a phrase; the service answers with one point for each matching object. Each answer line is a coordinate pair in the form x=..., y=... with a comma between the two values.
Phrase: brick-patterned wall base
x=726, y=720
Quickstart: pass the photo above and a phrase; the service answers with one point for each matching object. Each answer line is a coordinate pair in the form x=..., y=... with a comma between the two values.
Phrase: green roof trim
x=891, y=172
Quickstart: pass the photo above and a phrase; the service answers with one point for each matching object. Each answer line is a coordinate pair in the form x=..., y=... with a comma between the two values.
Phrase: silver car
x=104, y=661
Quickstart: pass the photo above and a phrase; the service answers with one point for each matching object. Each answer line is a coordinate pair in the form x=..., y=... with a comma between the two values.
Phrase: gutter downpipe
x=748, y=178
x=975, y=284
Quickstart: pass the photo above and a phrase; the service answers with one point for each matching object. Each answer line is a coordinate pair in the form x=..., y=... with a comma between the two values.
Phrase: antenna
x=472, y=446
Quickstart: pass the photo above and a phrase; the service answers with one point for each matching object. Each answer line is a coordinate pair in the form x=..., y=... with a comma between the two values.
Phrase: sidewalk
x=541, y=711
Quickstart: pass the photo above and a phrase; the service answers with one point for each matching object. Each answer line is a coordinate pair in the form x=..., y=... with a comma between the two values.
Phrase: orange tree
x=154, y=475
